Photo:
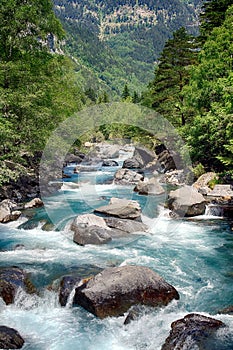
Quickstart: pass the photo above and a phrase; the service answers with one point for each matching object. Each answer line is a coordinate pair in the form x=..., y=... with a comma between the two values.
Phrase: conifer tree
x=171, y=75
x=213, y=15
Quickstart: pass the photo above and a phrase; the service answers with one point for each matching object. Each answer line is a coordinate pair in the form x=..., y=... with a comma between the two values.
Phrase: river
x=194, y=255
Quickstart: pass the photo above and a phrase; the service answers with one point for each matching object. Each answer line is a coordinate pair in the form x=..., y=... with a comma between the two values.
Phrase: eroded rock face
x=11, y=279
x=10, y=338
x=191, y=332
x=149, y=187
x=186, y=201
x=113, y=291
x=122, y=208
x=7, y=212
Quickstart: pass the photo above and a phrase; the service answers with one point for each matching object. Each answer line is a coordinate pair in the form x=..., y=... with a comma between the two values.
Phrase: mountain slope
x=120, y=41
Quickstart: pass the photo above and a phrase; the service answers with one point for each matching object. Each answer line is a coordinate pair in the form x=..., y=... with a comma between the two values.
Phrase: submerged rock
x=113, y=291
x=11, y=279
x=186, y=201
x=133, y=314
x=191, y=332
x=122, y=208
x=8, y=212
x=10, y=338
x=149, y=187
x=227, y=310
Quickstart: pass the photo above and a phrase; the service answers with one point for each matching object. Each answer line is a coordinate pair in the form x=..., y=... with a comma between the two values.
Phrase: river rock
x=131, y=163
x=186, y=201
x=113, y=291
x=149, y=187
x=142, y=158
x=191, y=332
x=126, y=226
x=10, y=338
x=74, y=158
x=223, y=191
x=121, y=208
x=134, y=313
x=168, y=160
x=67, y=284
x=105, y=150
x=34, y=203
x=85, y=234
x=90, y=229
x=7, y=212
x=127, y=177
x=109, y=162
x=177, y=177
x=227, y=310
x=204, y=179
x=11, y=279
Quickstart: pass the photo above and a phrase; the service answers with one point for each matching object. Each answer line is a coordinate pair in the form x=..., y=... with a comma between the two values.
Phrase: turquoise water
x=195, y=256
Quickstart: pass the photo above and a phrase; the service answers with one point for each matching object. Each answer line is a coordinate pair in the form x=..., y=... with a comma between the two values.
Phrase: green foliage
x=209, y=98
x=165, y=93
x=198, y=170
x=213, y=15
x=37, y=86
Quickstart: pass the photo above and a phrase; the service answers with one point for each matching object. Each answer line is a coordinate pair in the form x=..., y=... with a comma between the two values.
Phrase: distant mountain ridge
x=120, y=41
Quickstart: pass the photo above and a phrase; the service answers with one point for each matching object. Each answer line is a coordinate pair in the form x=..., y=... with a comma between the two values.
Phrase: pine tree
x=125, y=93
x=171, y=75
x=213, y=15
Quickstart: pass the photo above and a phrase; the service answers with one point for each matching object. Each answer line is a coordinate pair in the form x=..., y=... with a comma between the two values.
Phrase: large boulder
x=121, y=208
x=10, y=338
x=11, y=279
x=192, y=332
x=186, y=201
x=127, y=177
x=90, y=229
x=113, y=291
x=8, y=212
x=141, y=159
x=124, y=225
x=149, y=187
